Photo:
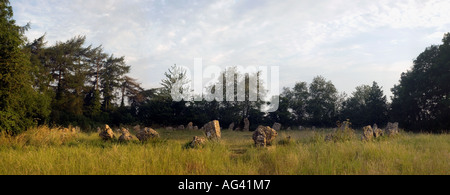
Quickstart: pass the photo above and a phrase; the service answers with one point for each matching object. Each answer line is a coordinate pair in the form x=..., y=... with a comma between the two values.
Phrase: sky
x=348, y=42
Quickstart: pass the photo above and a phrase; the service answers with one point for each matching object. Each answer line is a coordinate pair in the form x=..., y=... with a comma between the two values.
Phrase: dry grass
x=57, y=151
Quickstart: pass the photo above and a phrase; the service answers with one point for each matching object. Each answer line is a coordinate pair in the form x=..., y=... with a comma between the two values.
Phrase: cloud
x=335, y=38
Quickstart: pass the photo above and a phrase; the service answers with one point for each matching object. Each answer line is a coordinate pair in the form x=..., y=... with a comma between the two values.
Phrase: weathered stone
x=264, y=136
x=367, y=133
x=147, y=134
x=376, y=131
x=329, y=137
x=345, y=125
x=137, y=128
x=106, y=133
x=300, y=127
x=197, y=141
x=288, y=129
x=231, y=127
x=190, y=126
x=276, y=126
x=392, y=129
x=72, y=129
x=170, y=128
x=181, y=127
x=246, y=124
x=126, y=136
x=260, y=140
x=195, y=127
x=212, y=130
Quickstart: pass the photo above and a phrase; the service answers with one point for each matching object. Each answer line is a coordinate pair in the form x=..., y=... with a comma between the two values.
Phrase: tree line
x=72, y=83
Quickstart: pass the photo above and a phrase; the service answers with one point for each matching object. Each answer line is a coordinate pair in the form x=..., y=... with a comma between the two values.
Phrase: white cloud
x=306, y=38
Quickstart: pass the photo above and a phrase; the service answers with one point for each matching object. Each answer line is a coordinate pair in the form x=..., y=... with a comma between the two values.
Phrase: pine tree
x=111, y=79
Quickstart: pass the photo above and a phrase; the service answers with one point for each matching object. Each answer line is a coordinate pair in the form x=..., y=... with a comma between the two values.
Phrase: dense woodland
x=74, y=83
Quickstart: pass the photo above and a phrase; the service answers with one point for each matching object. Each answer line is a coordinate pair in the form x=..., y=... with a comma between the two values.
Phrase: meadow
x=52, y=151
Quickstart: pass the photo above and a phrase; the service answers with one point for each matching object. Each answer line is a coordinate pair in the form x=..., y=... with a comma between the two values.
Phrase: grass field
x=51, y=151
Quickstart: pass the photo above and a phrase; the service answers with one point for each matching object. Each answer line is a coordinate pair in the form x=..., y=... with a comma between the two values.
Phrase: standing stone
x=264, y=136
x=106, y=133
x=288, y=129
x=169, y=128
x=190, y=126
x=276, y=126
x=367, y=133
x=246, y=124
x=181, y=127
x=300, y=127
x=260, y=140
x=137, y=128
x=197, y=141
x=345, y=125
x=376, y=131
x=146, y=134
x=212, y=130
x=392, y=129
x=196, y=128
x=231, y=127
x=126, y=136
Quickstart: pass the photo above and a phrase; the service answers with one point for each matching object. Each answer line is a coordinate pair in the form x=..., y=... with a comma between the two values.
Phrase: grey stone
x=264, y=136
x=231, y=126
x=147, y=134
x=197, y=141
x=392, y=129
x=246, y=124
x=276, y=126
x=190, y=126
x=126, y=135
x=376, y=131
x=212, y=130
x=367, y=133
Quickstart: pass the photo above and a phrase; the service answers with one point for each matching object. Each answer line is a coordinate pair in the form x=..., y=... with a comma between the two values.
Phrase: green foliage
x=422, y=98
x=321, y=104
x=367, y=106
x=21, y=106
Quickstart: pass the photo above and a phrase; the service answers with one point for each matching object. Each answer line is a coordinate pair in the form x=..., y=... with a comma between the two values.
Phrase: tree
x=421, y=99
x=285, y=113
x=111, y=80
x=244, y=96
x=131, y=89
x=70, y=71
x=298, y=101
x=321, y=104
x=367, y=106
x=355, y=108
x=377, y=106
x=19, y=102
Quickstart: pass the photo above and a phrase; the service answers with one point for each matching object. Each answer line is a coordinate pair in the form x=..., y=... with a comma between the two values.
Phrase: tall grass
x=50, y=151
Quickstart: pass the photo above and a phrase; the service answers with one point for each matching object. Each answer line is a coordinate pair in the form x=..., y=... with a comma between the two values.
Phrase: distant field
x=49, y=151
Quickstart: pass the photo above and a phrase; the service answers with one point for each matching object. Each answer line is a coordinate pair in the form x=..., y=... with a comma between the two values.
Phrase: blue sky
x=348, y=42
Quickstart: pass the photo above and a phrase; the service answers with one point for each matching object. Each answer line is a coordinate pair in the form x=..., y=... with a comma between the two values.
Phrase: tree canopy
x=74, y=83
